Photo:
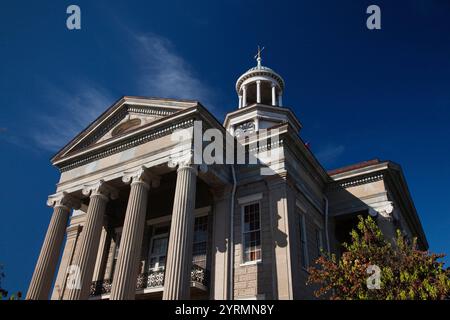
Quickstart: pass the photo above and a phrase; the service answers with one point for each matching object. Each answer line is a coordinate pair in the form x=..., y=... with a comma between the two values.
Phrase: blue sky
x=360, y=94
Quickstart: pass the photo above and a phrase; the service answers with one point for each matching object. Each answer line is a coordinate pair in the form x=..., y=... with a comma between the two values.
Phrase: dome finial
x=258, y=56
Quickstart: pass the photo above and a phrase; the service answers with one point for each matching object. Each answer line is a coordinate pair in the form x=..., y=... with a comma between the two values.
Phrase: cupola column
x=274, y=94
x=244, y=96
x=280, y=100
x=240, y=101
x=258, y=91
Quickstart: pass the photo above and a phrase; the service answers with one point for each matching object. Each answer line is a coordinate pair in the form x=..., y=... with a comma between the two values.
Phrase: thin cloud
x=163, y=73
x=166, y=73
x=330, y=154
x=71, y=112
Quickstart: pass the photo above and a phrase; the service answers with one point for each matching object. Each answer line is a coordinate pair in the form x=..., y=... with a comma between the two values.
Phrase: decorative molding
x=245, y=128
x=103, y=129
x=121, y=114
x=250, y=198
x=357, y=182
x=159, y=220
x=183, y=158
x=100, y=188
x=132, y=142
x=203, y=211
x=141, y=175
x=63, y=199
x=385, y=210
x=150, y=110
x=265, y=147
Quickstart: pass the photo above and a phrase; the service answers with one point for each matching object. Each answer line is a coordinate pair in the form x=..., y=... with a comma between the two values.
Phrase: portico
x=137, y=220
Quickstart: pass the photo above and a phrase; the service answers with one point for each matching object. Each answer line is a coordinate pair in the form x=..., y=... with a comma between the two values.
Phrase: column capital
x=386, y=210
x=186, y=160
x=100, y=188
x=65, y=200
x=188, y=166
x=141, y=175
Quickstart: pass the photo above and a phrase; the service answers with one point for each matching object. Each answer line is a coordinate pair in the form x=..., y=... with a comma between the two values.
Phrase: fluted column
x=44, y=271
x=100, y=260
x=179, y=255
x=84, y=262
x=125, y=275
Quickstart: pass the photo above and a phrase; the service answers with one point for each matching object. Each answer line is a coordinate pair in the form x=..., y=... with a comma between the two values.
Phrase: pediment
x=125, y=116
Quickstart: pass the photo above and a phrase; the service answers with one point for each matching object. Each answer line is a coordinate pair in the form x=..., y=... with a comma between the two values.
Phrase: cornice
x=262, y=107
x=116, y=118
x=355, y=181
x=131, y=142
x=138, y=103
x=263, y=71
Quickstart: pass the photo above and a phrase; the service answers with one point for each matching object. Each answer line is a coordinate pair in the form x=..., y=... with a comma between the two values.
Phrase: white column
x=100, y=260
x=280, y=100
x=244, y=96
x=99, y=194
x=240, y=101
x=281, y=203
x=221, y=246
x=72, y=236
x=258, y=91
x=274, y=94
x=44, y=272
x=125, y=276
x=179, y=254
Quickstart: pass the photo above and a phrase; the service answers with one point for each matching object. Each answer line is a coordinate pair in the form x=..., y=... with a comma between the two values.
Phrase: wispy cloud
x=73, y=106
x=71, y=111
x=167, y=74
x=330, y=153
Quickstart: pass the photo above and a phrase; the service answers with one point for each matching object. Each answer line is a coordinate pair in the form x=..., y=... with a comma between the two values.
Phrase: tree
x=405, y=271
x=3, y=292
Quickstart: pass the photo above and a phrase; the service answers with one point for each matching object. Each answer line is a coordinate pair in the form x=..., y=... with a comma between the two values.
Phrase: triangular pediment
x=125, y=116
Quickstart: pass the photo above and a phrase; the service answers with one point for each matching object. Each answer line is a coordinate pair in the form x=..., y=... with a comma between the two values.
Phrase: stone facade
x=146, y=225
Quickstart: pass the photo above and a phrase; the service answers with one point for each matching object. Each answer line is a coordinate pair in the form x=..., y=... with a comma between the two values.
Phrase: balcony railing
x=152, y=279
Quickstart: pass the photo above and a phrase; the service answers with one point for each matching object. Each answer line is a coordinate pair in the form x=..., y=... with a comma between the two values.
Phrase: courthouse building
x=131, y=221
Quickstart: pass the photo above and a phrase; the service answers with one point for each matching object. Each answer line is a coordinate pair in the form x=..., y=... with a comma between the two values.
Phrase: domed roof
x=258, y=71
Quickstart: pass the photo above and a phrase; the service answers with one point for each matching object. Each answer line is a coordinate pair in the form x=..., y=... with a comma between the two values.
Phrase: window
x=251, y=233
x=319, y=242
x=158, y=248
x=200, y=241
x=303, y=242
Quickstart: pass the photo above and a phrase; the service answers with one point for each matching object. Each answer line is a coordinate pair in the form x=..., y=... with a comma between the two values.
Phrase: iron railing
x=151, y=279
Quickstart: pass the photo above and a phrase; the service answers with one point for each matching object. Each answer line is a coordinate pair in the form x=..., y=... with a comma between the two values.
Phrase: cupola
x=260, y=92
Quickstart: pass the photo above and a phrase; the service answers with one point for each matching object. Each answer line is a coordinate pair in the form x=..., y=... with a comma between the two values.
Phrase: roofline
x=352, y=167
x=116, y=104
x=374, y=165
